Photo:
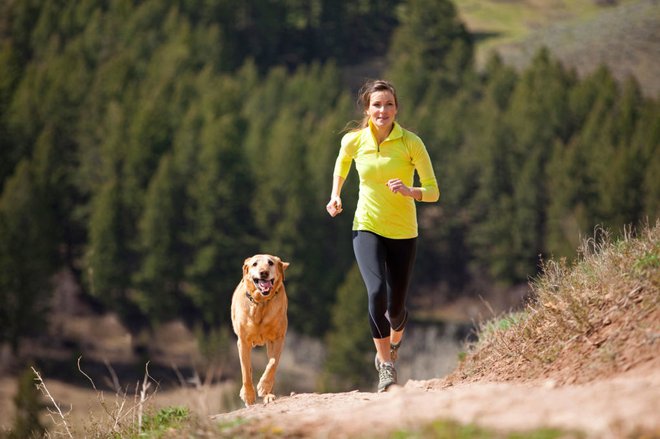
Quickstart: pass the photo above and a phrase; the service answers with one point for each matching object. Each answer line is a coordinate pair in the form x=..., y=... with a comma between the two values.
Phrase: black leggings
x=386, y=266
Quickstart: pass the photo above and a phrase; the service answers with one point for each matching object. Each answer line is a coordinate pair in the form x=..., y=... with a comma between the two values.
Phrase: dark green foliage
x=218, y=233
x=433, y=43
x=509, y=237
x=108, y=256
x=152, y=146
x=291, y=144
x=161, y=271
x=27, y=255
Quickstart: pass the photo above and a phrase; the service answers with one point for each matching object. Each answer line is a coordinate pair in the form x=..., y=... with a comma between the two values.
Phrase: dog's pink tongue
x=265, y=285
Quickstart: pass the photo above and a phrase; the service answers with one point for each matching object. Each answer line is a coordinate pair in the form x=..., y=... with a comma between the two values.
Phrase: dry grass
x=594, y=317
x=122, y=413
x=511, y=21
x=624, y=38
x=582, y=34
x=204, y=386
x=143, y=411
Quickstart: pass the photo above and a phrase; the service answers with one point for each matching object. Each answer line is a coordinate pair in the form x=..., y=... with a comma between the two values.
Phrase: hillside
x=581, y=361
x=623, y=35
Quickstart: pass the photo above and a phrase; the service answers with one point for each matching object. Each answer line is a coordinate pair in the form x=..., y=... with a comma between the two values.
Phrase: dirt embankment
x=621, y=406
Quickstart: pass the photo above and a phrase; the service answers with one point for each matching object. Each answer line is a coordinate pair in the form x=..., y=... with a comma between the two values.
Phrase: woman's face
x=382, y=109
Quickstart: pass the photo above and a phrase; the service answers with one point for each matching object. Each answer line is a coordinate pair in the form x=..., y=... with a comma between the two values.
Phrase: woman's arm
x=334, y=206
x=397, y=186
x=428, y=191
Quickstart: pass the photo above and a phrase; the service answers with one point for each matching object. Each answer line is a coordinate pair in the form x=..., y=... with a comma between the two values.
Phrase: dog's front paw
x=269, y=398
x=265, y=386
x=247, y=395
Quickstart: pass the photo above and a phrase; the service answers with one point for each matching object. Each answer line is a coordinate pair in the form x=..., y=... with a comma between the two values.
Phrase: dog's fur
x=259, y=316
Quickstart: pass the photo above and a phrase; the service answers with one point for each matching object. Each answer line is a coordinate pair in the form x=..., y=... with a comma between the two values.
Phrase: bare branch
x=42, y=387
x=87, y=376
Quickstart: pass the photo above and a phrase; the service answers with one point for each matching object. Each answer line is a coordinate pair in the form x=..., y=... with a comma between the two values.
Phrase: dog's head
x=264, y=274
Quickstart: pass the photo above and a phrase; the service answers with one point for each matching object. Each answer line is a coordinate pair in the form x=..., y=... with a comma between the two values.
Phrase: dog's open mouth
x=264, y=285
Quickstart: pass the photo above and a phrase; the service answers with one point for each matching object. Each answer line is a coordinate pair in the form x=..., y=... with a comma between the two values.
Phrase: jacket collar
x=396, y=132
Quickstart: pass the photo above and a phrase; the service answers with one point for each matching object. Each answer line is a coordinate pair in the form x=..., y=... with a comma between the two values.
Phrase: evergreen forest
x=150, y=146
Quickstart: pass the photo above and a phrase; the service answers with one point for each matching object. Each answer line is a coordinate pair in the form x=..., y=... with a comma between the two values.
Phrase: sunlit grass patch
x=502, y=323
x=164, y=419
x=648, y=261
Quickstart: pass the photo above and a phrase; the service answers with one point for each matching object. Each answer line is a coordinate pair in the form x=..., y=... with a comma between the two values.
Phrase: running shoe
x=386, y=375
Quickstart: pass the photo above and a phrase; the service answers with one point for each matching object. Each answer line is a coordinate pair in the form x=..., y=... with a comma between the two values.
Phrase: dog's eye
x=254, y=264
x=270, y=263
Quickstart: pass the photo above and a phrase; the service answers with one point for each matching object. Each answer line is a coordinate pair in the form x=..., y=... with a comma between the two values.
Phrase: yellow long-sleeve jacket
x=379, y=210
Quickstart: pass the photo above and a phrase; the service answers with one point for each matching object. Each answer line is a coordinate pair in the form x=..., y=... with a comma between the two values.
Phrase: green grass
x=505, y=20
x=502, y=323
x=157, y=425
x=164, y=419
x=648, y=261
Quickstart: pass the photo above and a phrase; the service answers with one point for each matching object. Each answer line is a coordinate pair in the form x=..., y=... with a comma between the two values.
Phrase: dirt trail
x=627, y=405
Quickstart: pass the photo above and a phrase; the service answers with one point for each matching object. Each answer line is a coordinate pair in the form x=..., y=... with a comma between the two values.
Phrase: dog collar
x=249, y=296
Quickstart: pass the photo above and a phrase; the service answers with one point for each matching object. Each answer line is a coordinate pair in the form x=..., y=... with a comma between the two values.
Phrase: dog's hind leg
x=265, y=386
x=247, y=390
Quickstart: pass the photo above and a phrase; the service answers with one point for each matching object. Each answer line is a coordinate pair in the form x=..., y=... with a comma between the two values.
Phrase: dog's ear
x=282, y=266
x=246, y=265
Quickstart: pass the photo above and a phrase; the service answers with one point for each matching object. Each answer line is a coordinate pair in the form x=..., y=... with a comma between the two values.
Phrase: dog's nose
x=264, y=274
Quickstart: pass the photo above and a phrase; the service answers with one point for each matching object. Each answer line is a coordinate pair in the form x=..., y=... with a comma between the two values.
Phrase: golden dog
x=259, y=316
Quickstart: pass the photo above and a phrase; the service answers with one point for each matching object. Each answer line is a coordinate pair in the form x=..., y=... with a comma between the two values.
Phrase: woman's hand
x=397, y=186
x=334, y=207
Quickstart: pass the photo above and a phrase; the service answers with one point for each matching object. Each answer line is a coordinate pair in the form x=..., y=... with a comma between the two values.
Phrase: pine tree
x=349, y=361
x=108, y=256
x=161, y=269
x=567, y=187
x=286, y=125
x=27, y=256
x=218, y=215
x=432, y=42
x=621, y=186
x=572, y=169
x=490, y=209
x=538, y=117
x=468, y=145
x=331, y=236
x=596, y=146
